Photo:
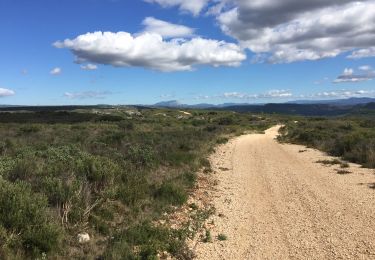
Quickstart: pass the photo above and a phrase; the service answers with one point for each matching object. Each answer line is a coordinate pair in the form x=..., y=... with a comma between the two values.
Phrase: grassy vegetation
x=329, y=162
x=352, y=138
x=207, y=237
x=108, y=172
x=222, y=237
x=342, y=172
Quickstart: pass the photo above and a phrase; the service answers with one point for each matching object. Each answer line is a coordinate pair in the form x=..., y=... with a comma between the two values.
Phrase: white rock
x=83, y=238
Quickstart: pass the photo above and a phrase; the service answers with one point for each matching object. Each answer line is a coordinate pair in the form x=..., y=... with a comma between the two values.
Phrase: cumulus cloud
x=89, y=67
x=4, y=92
x=166, y=29
x=279, y=94
x=191, y=6
x=295, y=30
x=272, y=94
x=365, y=68
x=287, y=94
x=343, y=94
x=348, y=76
x=362, y=53
x=150, y=50
x=56, y=71
x=87, y=94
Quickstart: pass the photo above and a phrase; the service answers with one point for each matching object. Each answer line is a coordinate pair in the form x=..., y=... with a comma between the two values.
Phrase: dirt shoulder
x=273, y=201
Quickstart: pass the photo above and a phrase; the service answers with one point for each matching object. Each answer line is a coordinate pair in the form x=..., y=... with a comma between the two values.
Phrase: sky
x=64, y=52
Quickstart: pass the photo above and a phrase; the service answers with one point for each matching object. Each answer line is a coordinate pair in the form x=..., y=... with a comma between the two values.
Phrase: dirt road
x=273, y=201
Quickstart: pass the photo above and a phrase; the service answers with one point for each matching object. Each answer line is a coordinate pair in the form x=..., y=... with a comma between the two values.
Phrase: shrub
x=141, y=156
x=344, y=165
x=126, y=125
x=103, y=174
x=211, y=128
x=28, y=129
x=26, y=214
x=229, y=120
x=222, y=237
x=147, y=240
x=222, y=140
x=22, y=170
x=329, y=162
x=109, y=118
x=189, y=179
x=171, y=193
x=343, y=172
x=346, y=137
x=207, y=236
x=132, y=189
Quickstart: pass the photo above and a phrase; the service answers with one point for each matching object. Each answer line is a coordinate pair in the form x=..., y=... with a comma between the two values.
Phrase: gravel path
x=273, y=201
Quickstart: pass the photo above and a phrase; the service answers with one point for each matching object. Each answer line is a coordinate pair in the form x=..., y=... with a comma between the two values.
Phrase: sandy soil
x=274, y=201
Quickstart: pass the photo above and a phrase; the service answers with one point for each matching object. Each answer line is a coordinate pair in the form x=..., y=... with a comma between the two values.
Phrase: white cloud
x=87, y=94
x=363, y=53
x=348, y=75
x=166, y=29
x=4, y=92
x=164, y=96
x=150, y=50
x=192, y=6
x=89, y=67
x=56, y=71
x=200, y=97
x=272, y=94
x=295, y=30
x=278, y=94
x=322, y=81
x=365, y=68
x=287, y=94
x=347, y=72
x=343, y=94
x=235, y=95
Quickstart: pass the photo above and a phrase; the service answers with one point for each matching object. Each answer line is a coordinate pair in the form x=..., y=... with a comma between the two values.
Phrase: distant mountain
x=369, y=106
x=337, y=102
x=206, y=105
x=201, y=106
x=236, y=104
x=170, y=103
x=334, y=102
x=336, y=108
x=177, y=104
x=8, y=105
x=299, y=107
x=293, y=109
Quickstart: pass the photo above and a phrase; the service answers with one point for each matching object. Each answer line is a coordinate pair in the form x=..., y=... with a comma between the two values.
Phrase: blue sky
x=196, y=51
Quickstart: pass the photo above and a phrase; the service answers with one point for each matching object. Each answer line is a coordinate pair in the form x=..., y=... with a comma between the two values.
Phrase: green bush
x=222, y=140
x=71, y=171
x=149, y=241
x=28, y=129
x=349, y=138
x=141, y=157
x=171, y=193
x=222, y=237
x=229, y=120
x=133, y=189
x=25, y=214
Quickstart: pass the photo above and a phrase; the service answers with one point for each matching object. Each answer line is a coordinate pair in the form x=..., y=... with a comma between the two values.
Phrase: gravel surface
x=274, y=201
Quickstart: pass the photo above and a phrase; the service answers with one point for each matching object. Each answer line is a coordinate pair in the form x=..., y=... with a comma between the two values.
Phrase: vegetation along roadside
x=92, y=183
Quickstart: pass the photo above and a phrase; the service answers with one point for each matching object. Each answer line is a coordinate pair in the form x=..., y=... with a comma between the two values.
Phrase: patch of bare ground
x=272, y=201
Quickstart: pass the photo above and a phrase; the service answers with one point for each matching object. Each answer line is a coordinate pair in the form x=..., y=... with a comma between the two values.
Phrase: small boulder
x=83, y=237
